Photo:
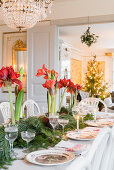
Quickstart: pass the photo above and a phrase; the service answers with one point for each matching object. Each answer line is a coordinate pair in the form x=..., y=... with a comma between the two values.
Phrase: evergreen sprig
x=44, y=138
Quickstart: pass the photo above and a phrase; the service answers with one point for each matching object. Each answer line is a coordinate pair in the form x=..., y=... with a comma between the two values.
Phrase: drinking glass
x=53, y=119
x=63, y=123
x=83, y=111
x=27, y=136
x=11, y=133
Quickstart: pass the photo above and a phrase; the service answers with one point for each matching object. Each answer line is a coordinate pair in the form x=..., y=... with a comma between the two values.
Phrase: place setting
x=50, y=157
x=101, y=122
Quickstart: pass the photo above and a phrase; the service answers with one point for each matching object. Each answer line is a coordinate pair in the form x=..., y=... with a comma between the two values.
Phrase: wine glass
x=83, y=111
x=53, y=119
x=27, y=136
x=63, y=123
x=11, y=133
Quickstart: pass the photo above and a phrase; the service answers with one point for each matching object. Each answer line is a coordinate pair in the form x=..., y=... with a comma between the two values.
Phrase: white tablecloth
x=24, y=165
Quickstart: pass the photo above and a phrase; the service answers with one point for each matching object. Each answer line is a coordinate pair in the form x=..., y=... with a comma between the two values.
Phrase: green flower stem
x=71, y=99
x=75, y=99
x=55, y=100
x=52, y=105
x=11, y=105
x=62, y=99
x=49, y=102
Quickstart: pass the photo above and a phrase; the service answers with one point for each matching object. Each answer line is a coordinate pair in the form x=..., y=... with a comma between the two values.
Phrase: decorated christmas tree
x=94, y=80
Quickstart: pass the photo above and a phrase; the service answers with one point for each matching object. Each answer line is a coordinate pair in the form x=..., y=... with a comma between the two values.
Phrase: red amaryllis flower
x=78, y=87
x=48, y=74
x=71, y=86
x=9, y=76
x=49, y=84
x=44, y=71
x=63, y=83
x=54, y=75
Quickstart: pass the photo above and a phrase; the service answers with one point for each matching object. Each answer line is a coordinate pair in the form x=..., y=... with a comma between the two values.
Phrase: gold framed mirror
x=20, y=56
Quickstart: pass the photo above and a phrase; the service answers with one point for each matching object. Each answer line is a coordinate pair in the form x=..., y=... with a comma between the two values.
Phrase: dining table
x=23, y=164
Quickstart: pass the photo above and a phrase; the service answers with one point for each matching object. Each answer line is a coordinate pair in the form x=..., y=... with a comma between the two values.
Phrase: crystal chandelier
x=24, y=14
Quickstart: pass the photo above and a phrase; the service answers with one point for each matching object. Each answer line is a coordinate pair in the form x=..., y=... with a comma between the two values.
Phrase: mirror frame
x=19, y=46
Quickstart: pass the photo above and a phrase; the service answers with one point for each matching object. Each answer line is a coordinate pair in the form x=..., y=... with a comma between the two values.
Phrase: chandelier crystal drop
x=24, y=14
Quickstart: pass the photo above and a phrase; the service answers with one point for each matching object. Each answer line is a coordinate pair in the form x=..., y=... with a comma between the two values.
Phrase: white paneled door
x=42, y=49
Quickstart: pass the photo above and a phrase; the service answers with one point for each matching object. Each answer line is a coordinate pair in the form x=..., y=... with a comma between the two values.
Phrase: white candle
x=77, y=123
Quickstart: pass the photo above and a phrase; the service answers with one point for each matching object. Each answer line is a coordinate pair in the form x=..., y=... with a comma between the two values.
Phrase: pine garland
x=44, y=138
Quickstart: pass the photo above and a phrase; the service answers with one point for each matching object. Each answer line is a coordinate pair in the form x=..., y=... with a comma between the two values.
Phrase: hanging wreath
x=89, y=38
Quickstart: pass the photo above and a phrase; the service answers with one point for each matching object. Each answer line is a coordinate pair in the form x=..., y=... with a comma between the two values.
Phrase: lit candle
x=77, y=123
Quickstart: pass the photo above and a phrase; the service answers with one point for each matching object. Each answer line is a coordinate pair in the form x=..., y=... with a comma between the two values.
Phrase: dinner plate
x=82, y=135
x=101, y=123
x=50, y=157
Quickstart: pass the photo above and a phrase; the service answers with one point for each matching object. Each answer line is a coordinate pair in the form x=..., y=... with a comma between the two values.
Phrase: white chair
x=30, y=105
x=5, y=110
x=84, y=95
x=89, y=104
x=108, y=102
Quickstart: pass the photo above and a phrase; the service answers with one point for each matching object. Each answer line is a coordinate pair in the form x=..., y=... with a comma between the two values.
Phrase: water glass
x=27, y=136
x=53, y=119
x=11, y=133
x=63, y=123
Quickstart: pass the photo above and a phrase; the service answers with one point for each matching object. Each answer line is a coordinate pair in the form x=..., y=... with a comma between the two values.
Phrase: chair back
x=30, y=105
x=5, y=110
x=89, y=104
x=100, y=150
x=84, y=95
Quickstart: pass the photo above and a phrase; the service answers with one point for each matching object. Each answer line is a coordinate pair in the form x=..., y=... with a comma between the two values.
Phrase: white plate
x=41, y=157
x=76, y=136
x=101, y=123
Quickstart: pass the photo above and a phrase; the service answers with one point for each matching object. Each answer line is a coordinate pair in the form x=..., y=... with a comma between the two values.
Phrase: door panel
x=42, y=49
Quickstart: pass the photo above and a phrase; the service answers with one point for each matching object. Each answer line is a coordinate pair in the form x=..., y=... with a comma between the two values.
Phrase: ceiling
x=105, y=43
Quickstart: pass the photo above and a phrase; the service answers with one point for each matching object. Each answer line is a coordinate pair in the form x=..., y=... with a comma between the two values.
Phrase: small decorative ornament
x=89, y=38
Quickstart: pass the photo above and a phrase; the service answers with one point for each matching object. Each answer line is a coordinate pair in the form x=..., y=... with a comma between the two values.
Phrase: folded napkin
x=73, y=147
x=65, y=144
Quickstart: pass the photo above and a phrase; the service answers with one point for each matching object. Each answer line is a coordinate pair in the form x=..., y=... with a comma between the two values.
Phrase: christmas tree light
x=94, y=81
